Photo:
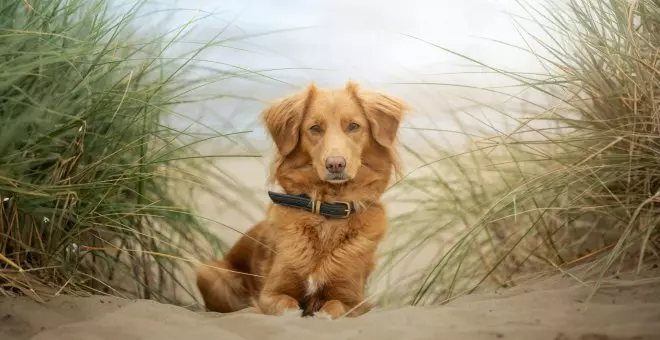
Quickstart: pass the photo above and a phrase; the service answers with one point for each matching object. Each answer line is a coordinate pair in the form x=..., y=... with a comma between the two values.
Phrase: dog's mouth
x=337, y=178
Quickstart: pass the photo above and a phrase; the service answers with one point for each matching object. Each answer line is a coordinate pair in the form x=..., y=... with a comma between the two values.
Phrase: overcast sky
x=375, y=42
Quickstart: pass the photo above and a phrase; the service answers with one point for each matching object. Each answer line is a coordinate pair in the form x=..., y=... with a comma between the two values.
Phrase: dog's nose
x=335, y=164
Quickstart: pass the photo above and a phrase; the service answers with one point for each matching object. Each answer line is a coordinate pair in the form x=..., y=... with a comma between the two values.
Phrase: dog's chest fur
x=324, y=238
x=319, y=251
x=326, y=235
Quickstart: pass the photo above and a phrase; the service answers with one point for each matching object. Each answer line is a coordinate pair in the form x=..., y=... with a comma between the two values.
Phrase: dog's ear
x=383, y=112
x=283, y=119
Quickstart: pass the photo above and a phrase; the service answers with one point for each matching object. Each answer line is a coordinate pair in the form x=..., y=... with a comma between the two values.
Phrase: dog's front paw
x=279, y=305
x=332, y=309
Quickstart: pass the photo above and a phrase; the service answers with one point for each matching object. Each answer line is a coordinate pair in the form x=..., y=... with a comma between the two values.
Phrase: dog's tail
x=222, y=289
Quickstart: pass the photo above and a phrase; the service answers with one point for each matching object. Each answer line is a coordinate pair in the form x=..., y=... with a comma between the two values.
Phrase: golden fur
x=296, y=259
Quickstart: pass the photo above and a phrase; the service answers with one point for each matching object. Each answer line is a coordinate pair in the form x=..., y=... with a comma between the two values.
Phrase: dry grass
x=87, y=165
x=577, y=182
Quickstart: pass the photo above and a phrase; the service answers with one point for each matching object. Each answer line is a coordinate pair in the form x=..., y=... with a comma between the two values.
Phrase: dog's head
x=333, y=128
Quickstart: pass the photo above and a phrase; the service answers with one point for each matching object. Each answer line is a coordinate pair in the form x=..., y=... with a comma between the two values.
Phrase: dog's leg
x=222, y=289
x=334, y=309
x=344, y=298
x=278, y=304
x=279, y=292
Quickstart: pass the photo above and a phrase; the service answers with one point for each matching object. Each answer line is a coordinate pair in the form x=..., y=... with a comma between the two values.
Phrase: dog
x=315, y=250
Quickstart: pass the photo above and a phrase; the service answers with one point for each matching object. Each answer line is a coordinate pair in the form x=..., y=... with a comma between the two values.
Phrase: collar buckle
x=348, y=209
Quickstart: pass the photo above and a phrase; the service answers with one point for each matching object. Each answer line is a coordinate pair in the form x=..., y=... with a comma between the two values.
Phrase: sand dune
x=550, y=309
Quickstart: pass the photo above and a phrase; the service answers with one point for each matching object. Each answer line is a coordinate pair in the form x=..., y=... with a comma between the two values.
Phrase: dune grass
x=90, y=176
x=576, y=184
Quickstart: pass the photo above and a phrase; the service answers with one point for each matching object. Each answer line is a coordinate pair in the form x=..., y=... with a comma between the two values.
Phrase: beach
x=551, y=308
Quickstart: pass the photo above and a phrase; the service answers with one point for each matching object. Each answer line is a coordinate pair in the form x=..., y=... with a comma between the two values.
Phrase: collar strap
x=338, y=209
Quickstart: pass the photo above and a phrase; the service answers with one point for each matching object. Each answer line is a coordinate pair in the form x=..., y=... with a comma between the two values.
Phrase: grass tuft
x=574, y=185
x=90, y=176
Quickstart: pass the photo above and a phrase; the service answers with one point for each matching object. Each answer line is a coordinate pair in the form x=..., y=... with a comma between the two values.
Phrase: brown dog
x=316, y=248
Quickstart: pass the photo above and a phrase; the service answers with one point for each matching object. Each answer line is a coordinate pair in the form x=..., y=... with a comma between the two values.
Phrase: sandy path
x=547, y=309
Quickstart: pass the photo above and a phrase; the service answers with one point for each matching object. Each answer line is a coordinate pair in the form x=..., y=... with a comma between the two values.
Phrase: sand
x=550, y=308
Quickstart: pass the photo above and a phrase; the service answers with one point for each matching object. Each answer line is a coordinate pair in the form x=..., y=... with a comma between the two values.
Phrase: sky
x=382, y=44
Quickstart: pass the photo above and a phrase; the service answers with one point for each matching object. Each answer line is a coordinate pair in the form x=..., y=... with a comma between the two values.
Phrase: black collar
x=338, y=209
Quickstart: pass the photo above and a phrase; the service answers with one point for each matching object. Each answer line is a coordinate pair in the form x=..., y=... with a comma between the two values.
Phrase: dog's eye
x=353, y=126
x=316, y=128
